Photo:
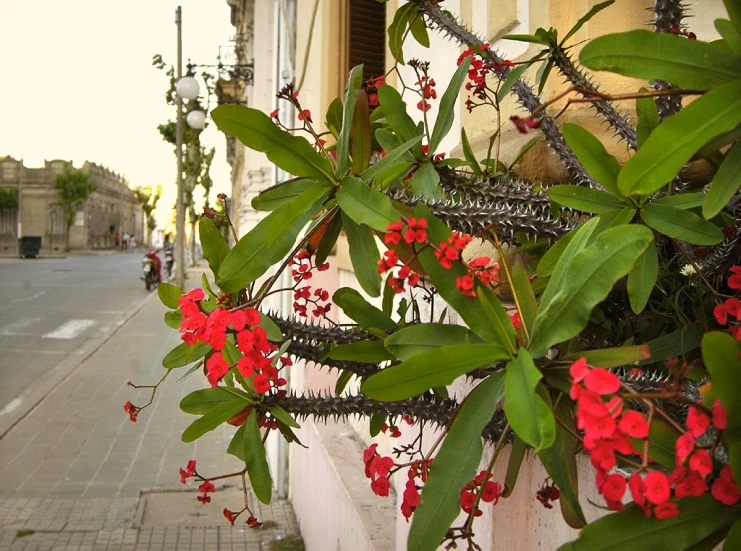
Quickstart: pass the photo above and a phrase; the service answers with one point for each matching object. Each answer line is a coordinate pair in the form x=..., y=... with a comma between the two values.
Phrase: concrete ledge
x=332, y=499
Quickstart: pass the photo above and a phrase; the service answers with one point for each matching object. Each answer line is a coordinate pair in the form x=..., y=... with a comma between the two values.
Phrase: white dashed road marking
x=70, y=330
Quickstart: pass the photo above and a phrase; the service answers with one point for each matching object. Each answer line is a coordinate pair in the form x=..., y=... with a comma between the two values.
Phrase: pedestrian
x=132, y=243
x=126, y=238
x=116, y=240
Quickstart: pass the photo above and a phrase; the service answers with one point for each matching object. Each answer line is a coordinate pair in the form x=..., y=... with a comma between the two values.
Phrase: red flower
x=733, y=307
x=720, y=417
x=305, y=114
x=602, y=381
x=603, y=457
x=231, y=516
x=666, y=510
x=467, y=500
x=380, y=486
x=252, y=521
x=262, y=383
x=637, y=489
x=697, y=422
x=685, y=445
x=253, y=316
x=657, y=488
x=701, y=462
x=692, y=485
x=734, y=282
x=724, y=489
x=207, y=487
x=273, y=115
x=514, y=317
x=613, y=488
x=720, y=313
x=204, y=499
x=491, y=492
x=634, y=424
x=579, y=370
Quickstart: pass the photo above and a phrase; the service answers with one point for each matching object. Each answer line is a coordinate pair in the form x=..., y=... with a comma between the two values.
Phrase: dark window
x=368, y=37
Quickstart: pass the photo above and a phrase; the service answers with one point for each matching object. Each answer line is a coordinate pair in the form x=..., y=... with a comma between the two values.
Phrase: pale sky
x=77, y=83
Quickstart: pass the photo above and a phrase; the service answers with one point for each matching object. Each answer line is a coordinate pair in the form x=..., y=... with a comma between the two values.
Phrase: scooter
x=151, y=265
x=169, y=260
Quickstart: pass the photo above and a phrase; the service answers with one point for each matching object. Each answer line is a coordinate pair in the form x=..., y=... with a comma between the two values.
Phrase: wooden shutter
x=368, y=37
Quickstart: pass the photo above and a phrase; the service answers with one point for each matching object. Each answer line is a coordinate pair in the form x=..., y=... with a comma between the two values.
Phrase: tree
x=73, y=187
x=8, y=198
x=148, y=204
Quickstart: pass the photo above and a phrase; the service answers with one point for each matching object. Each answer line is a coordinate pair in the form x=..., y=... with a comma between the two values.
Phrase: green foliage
x=8, y=198
x=73, y=187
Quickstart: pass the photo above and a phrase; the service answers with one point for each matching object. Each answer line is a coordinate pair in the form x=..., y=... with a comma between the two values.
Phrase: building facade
x=112, y=208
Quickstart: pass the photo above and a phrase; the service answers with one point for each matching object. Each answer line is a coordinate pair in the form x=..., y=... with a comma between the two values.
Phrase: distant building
x=111, y=209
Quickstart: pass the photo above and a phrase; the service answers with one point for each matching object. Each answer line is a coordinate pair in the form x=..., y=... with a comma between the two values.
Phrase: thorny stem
x=229, y=220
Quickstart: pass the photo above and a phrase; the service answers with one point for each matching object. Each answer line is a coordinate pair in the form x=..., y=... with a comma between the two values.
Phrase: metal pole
x=20, y=204
x=180, y=209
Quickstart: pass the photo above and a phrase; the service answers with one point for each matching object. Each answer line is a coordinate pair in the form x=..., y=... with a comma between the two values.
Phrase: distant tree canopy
x=73, y=187
x=148, y=203
x=8, y=198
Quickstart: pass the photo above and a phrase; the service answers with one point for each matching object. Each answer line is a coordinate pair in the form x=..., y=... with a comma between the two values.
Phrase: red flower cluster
x=547, y=494
x=427, y=87
x=731, y=306
x=734, y=282
x=231, y=516
x=415, y=232
x=205, y=488
x=410, y=498
x=378, y=469
x=371, y=86
x=451, y=249
x=132, y=410
x=608, y=429
x=302, y=296
x=682, y=32
x=190, y=470
x=482, y=485
x=393, y=430
x=478, y=72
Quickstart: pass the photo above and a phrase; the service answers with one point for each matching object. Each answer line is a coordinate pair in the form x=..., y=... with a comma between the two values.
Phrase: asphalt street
x=49, y=307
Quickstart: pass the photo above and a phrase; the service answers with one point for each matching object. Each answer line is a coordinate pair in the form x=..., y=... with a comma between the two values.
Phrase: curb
x=34, y=395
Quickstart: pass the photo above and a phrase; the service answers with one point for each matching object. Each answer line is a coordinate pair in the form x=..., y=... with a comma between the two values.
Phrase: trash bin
x=29, y=246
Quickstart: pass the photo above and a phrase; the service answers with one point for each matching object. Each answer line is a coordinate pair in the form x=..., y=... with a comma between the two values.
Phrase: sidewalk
x=75, y=473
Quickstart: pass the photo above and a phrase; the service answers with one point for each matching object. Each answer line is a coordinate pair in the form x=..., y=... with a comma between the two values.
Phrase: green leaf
x=329, y=238
x=682, y=201
x=352, y=87
x=674, y=344
x=231, y=353
x=725, y=184
x=213, y=418
x=698, y=518
x=376, y=423
x=455, y=464
x=397, y=116
x=528, y=415
x=202, y=401
x=357, y=308
x=531, y=38
x=513, y=76
x=591, y=13
x=448, y=105
x=390, y=159
x=174, y=319
x=502, y=330
x=278, y=195
x=251, y=257
x=648, y=118
x=560, y=462
x=334, y=117
x=189, y=372
x=273, y=331
x=416, y=339
x=734, y=13
x=342, y=381
x=236, y=446
x=585, y=283
x=674, y=142
x=361, y=138
x=364, y=255
x=644, y=54
x=169, y=294
x=419, y=30
x=592, y=154
x=215, y=247
x=424, y=371
x=613, y=357
x=361, y=351
x=642, y=278
x=397, y=29
x=293, y=211
x=542, y=75
x=468, y=154
x=183, y=354
x=365, y=205
x=733, y=539
x=662, y=443
x=584, y=199
x=720, y=353
x=256, y=130
x=256, y=461
x=681, y=224
x=516, y=455
x=283, y=416
x=730, y=35
x=425, y=182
